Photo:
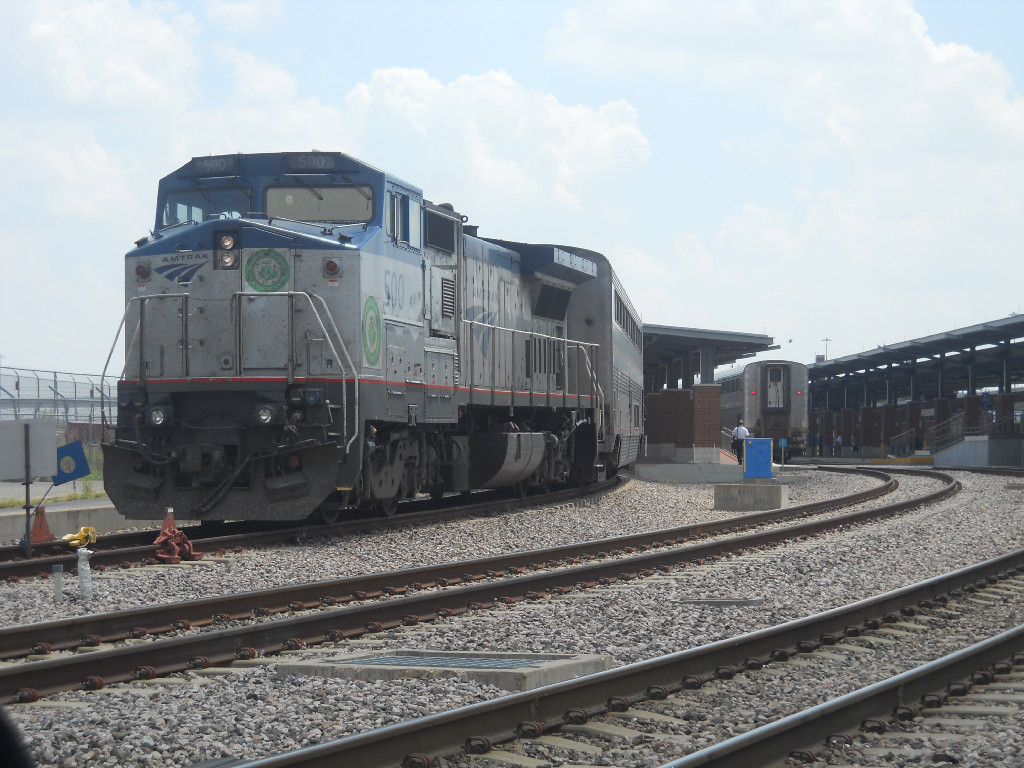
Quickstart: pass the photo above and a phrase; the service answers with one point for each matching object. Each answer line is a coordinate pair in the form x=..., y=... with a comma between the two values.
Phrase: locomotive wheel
x=326, y=516
x=387, y=507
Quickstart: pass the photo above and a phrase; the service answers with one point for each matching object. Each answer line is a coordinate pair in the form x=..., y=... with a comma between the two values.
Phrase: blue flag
x=71, y=463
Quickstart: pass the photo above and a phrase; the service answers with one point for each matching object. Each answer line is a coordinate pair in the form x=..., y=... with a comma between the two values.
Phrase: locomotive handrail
x=596, y=391
x=139, y=336
x=291, y=296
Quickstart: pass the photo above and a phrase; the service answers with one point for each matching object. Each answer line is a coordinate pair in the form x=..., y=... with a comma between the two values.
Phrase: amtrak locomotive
x=771, y=398
x=305, y=334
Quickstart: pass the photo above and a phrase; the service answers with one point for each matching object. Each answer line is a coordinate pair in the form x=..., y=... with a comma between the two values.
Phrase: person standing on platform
x=839, y=446
x=738, y=436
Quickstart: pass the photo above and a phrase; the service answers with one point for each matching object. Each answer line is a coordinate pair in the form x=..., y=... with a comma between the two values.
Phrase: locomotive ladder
x=320, y=313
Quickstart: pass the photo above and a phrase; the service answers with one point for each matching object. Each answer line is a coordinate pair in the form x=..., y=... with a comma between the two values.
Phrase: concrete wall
x=970, y=452
x=1006, y=452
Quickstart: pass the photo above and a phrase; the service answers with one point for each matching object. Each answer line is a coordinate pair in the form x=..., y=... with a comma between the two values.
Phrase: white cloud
x=909, y=154
x=114, y=53
x=513, y=151
x=243, y=14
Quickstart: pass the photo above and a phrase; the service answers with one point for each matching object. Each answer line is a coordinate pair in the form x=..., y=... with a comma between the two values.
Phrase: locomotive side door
x=264, y=319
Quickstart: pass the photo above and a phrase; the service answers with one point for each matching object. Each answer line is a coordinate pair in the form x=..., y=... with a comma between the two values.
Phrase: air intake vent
x=447, y=297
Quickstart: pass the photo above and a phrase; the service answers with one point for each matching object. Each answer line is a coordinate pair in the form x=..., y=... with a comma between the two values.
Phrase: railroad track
x=43, y=638
x=21, y=682
x=123, y=550
x=558, y=713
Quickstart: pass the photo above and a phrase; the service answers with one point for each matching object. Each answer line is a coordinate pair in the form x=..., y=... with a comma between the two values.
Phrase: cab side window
x=402, y=219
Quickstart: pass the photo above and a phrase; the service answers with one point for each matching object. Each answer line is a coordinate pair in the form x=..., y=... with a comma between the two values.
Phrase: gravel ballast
x=254, y=712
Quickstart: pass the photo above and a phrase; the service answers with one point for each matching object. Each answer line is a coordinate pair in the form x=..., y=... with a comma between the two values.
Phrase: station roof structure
x=672, y=352
x=924, y=366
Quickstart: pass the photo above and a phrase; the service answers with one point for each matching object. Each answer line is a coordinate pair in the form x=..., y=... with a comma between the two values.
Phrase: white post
x=84, y=574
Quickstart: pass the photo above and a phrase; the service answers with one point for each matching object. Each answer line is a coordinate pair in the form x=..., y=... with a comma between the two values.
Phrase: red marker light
x=753, y=391
x=799, y=392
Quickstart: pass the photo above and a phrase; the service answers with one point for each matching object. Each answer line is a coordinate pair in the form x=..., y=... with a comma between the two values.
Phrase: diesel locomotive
x=771, y=398
x=306, y=334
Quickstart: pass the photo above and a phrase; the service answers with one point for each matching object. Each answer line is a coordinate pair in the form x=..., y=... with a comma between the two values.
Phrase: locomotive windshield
x=197, y=204
x=334, y=205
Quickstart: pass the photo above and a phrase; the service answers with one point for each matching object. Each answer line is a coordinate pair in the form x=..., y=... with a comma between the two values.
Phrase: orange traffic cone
x=40, y=528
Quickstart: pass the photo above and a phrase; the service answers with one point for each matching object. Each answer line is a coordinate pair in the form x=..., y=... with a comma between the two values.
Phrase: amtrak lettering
x=181, y=268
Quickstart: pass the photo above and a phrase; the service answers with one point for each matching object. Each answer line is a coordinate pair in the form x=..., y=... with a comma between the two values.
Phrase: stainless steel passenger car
x=306, y=333
x=771, y=398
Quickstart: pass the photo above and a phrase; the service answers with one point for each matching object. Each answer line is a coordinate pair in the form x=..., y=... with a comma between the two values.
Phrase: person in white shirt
x=739, y=434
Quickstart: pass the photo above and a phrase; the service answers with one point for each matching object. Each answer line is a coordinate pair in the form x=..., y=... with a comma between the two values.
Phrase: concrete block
x=751, y=495
x=688, y=473
x=508, y=671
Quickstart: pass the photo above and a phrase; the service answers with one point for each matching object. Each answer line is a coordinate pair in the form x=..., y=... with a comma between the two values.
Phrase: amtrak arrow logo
x=182, y=274
x=181, y=268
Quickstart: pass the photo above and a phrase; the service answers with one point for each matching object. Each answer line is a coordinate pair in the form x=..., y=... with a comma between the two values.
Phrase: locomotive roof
x=244, y=164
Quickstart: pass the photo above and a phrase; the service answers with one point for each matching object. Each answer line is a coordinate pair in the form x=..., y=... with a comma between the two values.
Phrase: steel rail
x=133, y=551
x=809, y=730
x=164, y=656
x=544, y=709
x=29, y=639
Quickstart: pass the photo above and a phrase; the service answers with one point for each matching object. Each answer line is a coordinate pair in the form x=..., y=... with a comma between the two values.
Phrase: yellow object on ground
x=87, y=535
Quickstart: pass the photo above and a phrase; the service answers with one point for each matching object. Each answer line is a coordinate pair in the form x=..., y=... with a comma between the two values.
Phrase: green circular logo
x=371, y=332
x=267, y=271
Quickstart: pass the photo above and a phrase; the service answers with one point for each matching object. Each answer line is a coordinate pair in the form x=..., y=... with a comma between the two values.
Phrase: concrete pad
x=508, y=671
x=751, y=495
x=670, y=472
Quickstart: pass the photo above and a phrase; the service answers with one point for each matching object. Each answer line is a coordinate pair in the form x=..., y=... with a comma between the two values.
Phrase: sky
x=831, y=173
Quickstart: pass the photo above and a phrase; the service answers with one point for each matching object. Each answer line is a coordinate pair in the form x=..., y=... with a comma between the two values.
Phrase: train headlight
x=227, y=250
x=142, y=271
x=264, y=415
x=159, y=415
x=332, y=268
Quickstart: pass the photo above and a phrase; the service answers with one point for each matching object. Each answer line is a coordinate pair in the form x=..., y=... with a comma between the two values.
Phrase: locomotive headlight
x=227, y=259
x=332, y=268
x=227, y=242
x=264, y=414
x=142, y=271
x=157, y=416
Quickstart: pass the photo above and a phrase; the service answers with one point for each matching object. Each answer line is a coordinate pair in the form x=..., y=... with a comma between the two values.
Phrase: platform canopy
x=672, y=353
x=987, y=355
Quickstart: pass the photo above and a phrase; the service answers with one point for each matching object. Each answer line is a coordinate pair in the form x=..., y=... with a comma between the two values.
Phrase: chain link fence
x=76, y=400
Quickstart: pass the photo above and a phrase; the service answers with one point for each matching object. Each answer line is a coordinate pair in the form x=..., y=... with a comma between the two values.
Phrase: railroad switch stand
x=173, y=545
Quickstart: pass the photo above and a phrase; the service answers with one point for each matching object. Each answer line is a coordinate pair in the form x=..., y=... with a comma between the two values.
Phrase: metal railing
x=324, y=324
x=577, y=368
x=955, y=429
x=903, y=444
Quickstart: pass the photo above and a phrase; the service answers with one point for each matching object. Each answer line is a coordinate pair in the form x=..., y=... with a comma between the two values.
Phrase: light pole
x=826, y=340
